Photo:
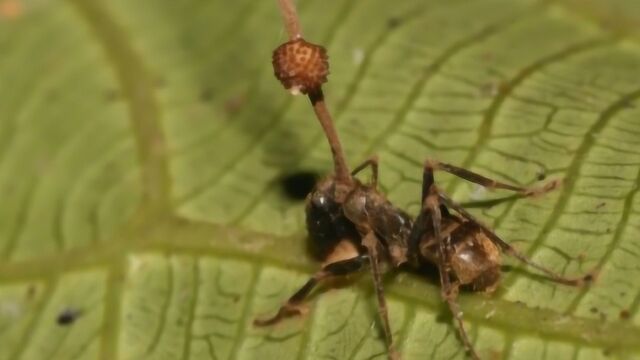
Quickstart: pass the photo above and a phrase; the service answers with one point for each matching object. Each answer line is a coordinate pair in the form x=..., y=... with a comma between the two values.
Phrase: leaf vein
x=164, y=310
x=192, y=310
x=485, y=128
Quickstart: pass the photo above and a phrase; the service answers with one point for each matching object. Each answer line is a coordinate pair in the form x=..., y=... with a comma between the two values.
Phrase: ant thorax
x=364, y=208
x=370, y=210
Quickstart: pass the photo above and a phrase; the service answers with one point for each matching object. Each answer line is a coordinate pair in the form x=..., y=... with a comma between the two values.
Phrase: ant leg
x=292, y=306
x=510, y=250
x=490, y=183
x=373, y=163
x=428, y=182
x=371, y=243
x=449, y=291
x=420, y=225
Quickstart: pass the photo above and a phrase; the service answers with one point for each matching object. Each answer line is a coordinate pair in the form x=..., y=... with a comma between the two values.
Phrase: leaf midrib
x=170, y=238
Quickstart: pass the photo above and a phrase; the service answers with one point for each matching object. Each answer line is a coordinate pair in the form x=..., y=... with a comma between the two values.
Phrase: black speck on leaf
x=68, y=316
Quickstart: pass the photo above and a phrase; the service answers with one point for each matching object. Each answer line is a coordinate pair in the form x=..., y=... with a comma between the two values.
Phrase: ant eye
x=297, y=185
x=302, y=67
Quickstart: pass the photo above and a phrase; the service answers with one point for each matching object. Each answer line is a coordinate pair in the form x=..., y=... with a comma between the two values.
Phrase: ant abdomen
x=475, y=259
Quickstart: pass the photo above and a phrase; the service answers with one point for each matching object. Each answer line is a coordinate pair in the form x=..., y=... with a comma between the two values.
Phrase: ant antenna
x=302, y=68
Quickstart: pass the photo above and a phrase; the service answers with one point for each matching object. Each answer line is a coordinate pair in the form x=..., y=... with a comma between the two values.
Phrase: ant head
x=323, y=194
x=325, y=220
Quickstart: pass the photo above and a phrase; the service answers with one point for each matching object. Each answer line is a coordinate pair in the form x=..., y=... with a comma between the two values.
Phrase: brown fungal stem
x=290, y=17
x=342, y=173
x=316, y=96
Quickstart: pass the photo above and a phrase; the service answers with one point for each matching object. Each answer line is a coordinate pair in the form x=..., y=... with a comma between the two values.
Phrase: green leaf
x=142, y=145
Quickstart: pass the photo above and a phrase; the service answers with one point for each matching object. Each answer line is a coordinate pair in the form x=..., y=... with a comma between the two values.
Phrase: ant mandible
x=344, y=213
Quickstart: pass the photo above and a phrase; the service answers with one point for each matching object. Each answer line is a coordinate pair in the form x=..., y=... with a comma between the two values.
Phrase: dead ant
x=354, y=225
x=466, y=252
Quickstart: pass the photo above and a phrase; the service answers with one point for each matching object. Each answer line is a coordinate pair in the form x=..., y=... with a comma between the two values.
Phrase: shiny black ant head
x=322, y=195
x=326, y=222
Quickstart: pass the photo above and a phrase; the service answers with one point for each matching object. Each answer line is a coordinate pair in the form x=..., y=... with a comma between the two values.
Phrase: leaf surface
x=143, y=146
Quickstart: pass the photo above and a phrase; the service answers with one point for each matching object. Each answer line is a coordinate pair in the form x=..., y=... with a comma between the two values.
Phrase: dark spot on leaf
x=541, y=176
x=625, y=314
x=594, y=310
x=588, y=278
x=68, y=316
x=297, y=185
x=393, y=22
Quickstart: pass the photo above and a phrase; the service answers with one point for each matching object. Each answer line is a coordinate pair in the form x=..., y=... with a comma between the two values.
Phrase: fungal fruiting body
x=301, y=67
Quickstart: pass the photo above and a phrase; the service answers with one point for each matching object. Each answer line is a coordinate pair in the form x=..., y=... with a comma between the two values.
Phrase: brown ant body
x=465, y=251
x=354, y=219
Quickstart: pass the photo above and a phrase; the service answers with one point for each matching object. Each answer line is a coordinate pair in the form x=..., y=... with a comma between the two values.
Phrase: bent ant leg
x=510, y=250
x=370, y=162
x=370, y=241
x=488, y=183
x=292, y=306
x=449, y=290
